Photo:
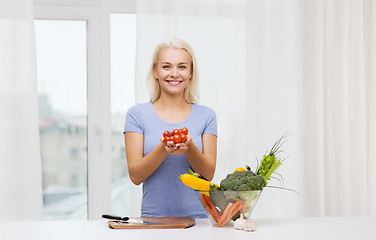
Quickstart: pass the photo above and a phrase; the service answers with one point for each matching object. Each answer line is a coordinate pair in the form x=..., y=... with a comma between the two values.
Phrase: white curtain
x=339, y=41
x=20, y=169
x=268, y=67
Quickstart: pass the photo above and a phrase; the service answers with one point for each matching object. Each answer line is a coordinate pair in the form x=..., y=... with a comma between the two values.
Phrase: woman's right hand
x=169, y=146
x=176, y=148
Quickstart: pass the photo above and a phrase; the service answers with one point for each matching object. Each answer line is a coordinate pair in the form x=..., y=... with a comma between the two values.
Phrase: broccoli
x=244, y=187
x=249, y=173
x=214, y=187
x=242, y=181
x=234, y=184
x=256, y=182
x=230, y=176
x=231, y=196
x=239, y=174
x=225, y=184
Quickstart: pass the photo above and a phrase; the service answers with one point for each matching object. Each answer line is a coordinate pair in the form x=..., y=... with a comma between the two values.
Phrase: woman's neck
x=172, y=110
x=172, y=101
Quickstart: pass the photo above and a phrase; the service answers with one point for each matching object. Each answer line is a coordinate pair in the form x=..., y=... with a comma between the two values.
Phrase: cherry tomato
x=167, y=134
x=184, y=130
x=175, y=132
x=177, y=138
x=183, y=137
x=167, y=139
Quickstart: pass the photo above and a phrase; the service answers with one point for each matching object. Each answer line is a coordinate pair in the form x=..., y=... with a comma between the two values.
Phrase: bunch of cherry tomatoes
x=176, y=136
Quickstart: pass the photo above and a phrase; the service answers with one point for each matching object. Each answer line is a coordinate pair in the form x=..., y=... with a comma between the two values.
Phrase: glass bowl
x=224, y=207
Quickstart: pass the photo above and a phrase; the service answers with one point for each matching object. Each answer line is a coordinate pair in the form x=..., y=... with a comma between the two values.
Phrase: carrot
x=215, y=210
x=235, y=209
x=230, y=215
x=232, y=211
x=244, y=206
x=208, y=208
x=211, y=213
x=203, y=200
x=225, y=213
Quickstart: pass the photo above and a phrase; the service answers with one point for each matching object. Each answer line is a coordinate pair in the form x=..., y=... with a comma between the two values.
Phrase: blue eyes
x=168, y=67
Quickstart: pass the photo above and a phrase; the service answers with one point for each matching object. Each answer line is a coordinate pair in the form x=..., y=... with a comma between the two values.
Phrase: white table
x=298, y=228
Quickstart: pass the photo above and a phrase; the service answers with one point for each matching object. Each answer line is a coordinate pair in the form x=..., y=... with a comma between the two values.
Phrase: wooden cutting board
x=167, y=222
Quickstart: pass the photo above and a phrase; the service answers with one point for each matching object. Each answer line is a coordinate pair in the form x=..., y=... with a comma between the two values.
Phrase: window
x=77, y=117
x=62, y=87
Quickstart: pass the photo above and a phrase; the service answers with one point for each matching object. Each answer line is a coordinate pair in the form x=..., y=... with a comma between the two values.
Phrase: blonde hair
x=191, y=94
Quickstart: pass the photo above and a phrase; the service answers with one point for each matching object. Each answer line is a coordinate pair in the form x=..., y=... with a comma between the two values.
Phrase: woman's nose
x=174, y=72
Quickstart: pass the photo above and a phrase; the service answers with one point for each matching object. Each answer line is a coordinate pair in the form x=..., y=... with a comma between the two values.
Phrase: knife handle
x=114, y=217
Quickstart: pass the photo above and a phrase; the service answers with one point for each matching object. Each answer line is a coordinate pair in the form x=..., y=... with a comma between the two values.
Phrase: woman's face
x=173, y=70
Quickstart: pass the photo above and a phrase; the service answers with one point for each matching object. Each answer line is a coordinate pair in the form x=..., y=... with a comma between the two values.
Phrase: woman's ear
x=155, y=72
x=191, y=75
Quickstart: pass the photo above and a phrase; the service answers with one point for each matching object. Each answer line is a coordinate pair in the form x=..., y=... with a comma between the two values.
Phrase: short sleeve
x=211, y=124
x=133, y=120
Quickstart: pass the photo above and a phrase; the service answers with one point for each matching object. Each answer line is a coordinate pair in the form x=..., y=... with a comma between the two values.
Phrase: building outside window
x=63, y=57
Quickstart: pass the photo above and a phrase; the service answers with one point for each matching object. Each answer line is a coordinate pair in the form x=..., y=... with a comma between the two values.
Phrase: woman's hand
x=177, y=148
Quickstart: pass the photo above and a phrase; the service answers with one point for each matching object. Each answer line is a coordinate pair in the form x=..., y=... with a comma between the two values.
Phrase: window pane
x=62, y=89
x=123, y=54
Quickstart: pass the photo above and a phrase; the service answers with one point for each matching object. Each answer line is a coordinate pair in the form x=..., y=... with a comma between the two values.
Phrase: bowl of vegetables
x=225, y=207
x=236, y=196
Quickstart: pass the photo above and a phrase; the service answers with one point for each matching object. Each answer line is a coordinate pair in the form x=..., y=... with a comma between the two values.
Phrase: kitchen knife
x=114, y=217
x=127, y=219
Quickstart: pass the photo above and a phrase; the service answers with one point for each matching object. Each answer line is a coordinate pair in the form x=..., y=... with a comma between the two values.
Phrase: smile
x=174, y=82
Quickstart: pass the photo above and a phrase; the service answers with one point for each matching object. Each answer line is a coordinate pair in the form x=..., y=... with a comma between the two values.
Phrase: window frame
x=97, y=15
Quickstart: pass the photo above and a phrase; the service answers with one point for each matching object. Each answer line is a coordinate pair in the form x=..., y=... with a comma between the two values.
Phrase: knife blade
x=139, y=221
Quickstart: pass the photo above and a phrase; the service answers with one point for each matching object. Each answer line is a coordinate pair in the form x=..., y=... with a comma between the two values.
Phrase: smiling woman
x=158, y=164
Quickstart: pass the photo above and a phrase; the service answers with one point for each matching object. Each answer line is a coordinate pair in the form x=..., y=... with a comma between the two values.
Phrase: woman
x=174, y=80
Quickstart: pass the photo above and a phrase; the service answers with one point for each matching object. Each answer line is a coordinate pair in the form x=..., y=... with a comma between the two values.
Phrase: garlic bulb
x=248, y=225
x=239, y=223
